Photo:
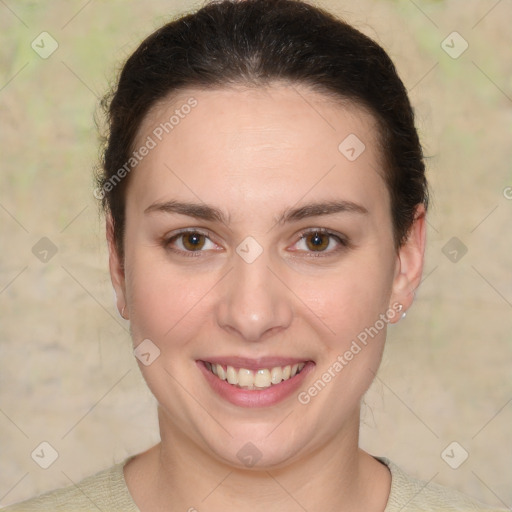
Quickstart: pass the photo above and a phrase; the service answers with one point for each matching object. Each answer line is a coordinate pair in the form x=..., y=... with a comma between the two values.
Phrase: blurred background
x=441, y=406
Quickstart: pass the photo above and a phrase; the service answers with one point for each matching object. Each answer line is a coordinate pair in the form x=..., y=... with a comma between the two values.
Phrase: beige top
x=106, y=491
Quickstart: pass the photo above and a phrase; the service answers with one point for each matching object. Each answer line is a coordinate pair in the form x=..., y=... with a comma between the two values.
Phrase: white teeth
x=220, y=372
x=262, y=378
x=245, y=377
x=276, y=375
x=232, y=375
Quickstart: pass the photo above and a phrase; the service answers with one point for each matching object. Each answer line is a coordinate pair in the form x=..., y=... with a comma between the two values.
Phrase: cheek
x=354, y=297
x=354, y=304
x=163, y=300
x=354, y=309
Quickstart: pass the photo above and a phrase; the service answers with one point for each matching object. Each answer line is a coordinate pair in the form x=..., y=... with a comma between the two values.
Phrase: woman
x=265, y=197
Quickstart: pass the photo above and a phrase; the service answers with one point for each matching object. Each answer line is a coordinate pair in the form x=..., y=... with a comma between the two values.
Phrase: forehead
x=255, y=143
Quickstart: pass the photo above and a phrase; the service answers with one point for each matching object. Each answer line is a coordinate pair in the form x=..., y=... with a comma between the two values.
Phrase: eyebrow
x=211, y=213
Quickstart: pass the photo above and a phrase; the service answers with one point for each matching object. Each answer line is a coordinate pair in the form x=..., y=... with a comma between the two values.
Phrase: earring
x=404, y=314
x=122, y=313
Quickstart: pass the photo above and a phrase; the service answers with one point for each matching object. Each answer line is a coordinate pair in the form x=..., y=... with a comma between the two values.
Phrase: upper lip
x=255, y=364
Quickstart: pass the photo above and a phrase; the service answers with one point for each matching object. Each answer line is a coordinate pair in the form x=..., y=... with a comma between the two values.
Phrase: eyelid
x=167, y=240
x=201, y=231
x=343, y=241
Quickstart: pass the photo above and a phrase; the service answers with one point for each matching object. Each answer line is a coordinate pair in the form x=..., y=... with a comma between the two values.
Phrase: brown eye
x=193, y=241
x=322, y=242
x=189, y=242
x=318, y=241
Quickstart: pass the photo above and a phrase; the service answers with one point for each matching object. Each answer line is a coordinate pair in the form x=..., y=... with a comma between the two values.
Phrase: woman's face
x=259, y=237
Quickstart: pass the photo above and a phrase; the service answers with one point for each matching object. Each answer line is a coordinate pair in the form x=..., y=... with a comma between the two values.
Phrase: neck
x=179, y=474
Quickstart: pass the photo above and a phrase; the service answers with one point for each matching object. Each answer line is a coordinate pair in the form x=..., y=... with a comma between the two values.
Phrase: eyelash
x=343, y=242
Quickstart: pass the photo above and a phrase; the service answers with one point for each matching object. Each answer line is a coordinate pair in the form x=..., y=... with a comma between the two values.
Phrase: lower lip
x=257, y=397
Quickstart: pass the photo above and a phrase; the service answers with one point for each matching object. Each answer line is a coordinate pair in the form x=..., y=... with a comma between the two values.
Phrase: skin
x=253, y=153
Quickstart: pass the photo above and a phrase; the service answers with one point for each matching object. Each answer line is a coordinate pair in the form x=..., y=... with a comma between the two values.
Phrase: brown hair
x=255, y=43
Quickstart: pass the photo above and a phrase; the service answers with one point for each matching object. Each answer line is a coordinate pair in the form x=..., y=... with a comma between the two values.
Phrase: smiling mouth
x=260, y=379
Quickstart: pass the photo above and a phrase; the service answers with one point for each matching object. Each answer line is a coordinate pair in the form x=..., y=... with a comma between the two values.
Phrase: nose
x=253, y=303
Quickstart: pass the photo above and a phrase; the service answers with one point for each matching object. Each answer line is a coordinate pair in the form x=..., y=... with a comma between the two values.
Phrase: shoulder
x=409, y=494
x=105, y=491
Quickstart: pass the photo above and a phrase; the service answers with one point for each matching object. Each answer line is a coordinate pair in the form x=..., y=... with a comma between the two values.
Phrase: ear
x=116, y=268
x=409, y=265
